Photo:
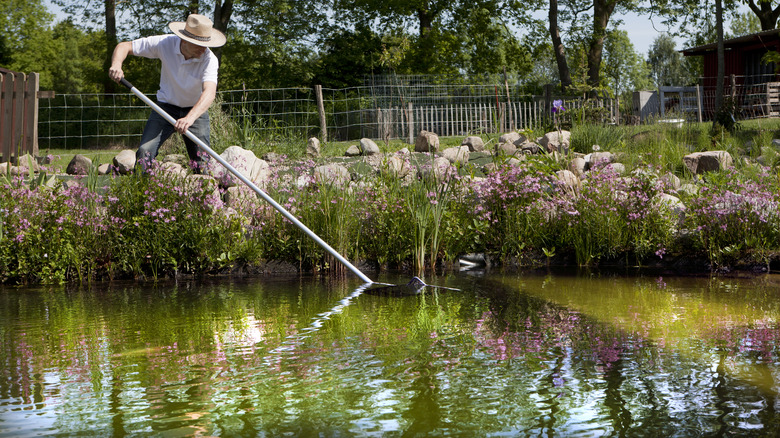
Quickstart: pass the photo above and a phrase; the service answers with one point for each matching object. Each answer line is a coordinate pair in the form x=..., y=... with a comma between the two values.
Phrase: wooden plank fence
x=469, y=119
x=18, y=114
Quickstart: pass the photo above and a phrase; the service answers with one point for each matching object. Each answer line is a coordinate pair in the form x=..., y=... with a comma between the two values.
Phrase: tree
x=667, y=67
x=558, y=48
x=721, y=65
x=22, y=23
x=624, y=68
x=347, y=57
x=602, y=11
x=744, y=23
x=767, y=15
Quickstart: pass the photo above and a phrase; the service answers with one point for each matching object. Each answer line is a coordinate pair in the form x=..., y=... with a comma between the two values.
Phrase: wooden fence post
x=410, y=121
x=698, y=101
x=321, y=110
x=6, y=114
x=31, y=114
x=733, y=87
x=18, y=113
x=512, y=125
x=501, y=117
x=547, y=101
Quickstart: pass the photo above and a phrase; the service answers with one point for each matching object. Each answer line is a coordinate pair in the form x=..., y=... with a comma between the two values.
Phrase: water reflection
x=522, y=355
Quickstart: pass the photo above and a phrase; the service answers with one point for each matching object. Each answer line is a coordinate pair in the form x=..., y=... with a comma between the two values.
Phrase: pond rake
x=415, y=286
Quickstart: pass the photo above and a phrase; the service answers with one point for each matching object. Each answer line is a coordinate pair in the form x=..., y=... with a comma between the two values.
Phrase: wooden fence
x=18, y=114
x=470, y=119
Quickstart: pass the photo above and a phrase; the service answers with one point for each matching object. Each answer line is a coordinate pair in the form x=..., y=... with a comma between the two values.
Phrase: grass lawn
x=614, y=138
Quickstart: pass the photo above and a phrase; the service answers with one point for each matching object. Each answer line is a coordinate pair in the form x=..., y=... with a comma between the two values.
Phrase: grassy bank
x=162, y=224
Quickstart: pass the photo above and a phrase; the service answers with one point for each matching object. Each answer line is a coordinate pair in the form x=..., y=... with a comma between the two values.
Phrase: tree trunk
x=222, y=14
x=558, y=49
x=602, y=10
x=424, y=58
x=721, y=60
x=193, y=7
x=766, y=15
x=109, y=86
x=426, y=22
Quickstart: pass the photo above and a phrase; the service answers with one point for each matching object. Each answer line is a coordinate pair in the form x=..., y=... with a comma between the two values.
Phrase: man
x=188, y=83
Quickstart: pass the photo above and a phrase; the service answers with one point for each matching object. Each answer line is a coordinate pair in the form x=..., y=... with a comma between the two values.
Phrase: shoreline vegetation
x=648, y=211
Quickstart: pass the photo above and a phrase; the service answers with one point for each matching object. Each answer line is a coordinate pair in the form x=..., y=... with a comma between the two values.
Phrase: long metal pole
x=249, y=183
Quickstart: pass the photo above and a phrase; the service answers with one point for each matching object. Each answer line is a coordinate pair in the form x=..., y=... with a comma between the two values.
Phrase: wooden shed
x=753, y=83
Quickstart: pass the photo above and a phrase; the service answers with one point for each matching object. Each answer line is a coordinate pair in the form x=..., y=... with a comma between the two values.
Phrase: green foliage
x=667, y=66
x=736, y=216
x=624, y=69
x=726, y=116
x=348, y=57
x=50, y=235
x=162, y=223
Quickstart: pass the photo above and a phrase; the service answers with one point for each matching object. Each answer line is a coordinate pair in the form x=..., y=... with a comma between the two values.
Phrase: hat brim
x=216, y=38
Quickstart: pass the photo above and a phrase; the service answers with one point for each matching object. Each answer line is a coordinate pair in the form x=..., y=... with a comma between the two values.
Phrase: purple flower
x=558, y=106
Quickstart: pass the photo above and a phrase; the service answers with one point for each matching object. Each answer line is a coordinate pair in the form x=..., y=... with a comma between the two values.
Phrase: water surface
x=566, y=354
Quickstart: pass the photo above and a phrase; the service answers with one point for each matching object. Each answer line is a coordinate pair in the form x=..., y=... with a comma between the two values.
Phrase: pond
x=526, y=354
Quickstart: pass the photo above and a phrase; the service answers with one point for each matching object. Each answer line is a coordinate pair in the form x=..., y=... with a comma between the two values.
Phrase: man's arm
x=200, y=107
x=120, y=54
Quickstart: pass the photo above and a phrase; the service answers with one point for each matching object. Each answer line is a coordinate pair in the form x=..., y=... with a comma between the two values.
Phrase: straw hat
x=198, y=30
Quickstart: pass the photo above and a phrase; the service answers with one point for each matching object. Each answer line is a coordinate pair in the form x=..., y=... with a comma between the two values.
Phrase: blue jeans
x=158, y=130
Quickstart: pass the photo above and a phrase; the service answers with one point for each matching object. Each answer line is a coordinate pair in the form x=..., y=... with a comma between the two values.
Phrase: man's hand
x=117, y=58
x=116, y=74
x=183, y=124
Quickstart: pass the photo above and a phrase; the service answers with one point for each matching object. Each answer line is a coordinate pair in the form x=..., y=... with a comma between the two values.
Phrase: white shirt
x=181, y=80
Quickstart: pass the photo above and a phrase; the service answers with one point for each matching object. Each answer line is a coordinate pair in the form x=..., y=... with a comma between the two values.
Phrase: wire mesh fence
x=386, y=108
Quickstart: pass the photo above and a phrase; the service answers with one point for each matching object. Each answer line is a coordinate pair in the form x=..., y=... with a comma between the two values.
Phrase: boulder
x=702, y=162
x=439, y=170
x=124, y=161
x=254, y=169
x=28, y=163
x=426, y=142
x=368, y=147
x=506, y=148
x=596, y=158
x=530, y=148
x=79, y=165
x=618, y=168
x=334, y=174
x=241, y=198
x=457, y=155
x=578, y=166
x=515, y=138
x=556, y=141
x=179, y=159
x=313, y=147
x=173, y=168
x=397, y=166
x=474, y=143
x=671, y=181
x=353, y=151
x=688, y=188
x=196, y=183
x=104, y=169
x=515, y=161
x=673, y=203
x=569, y=180
x=272, y=157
